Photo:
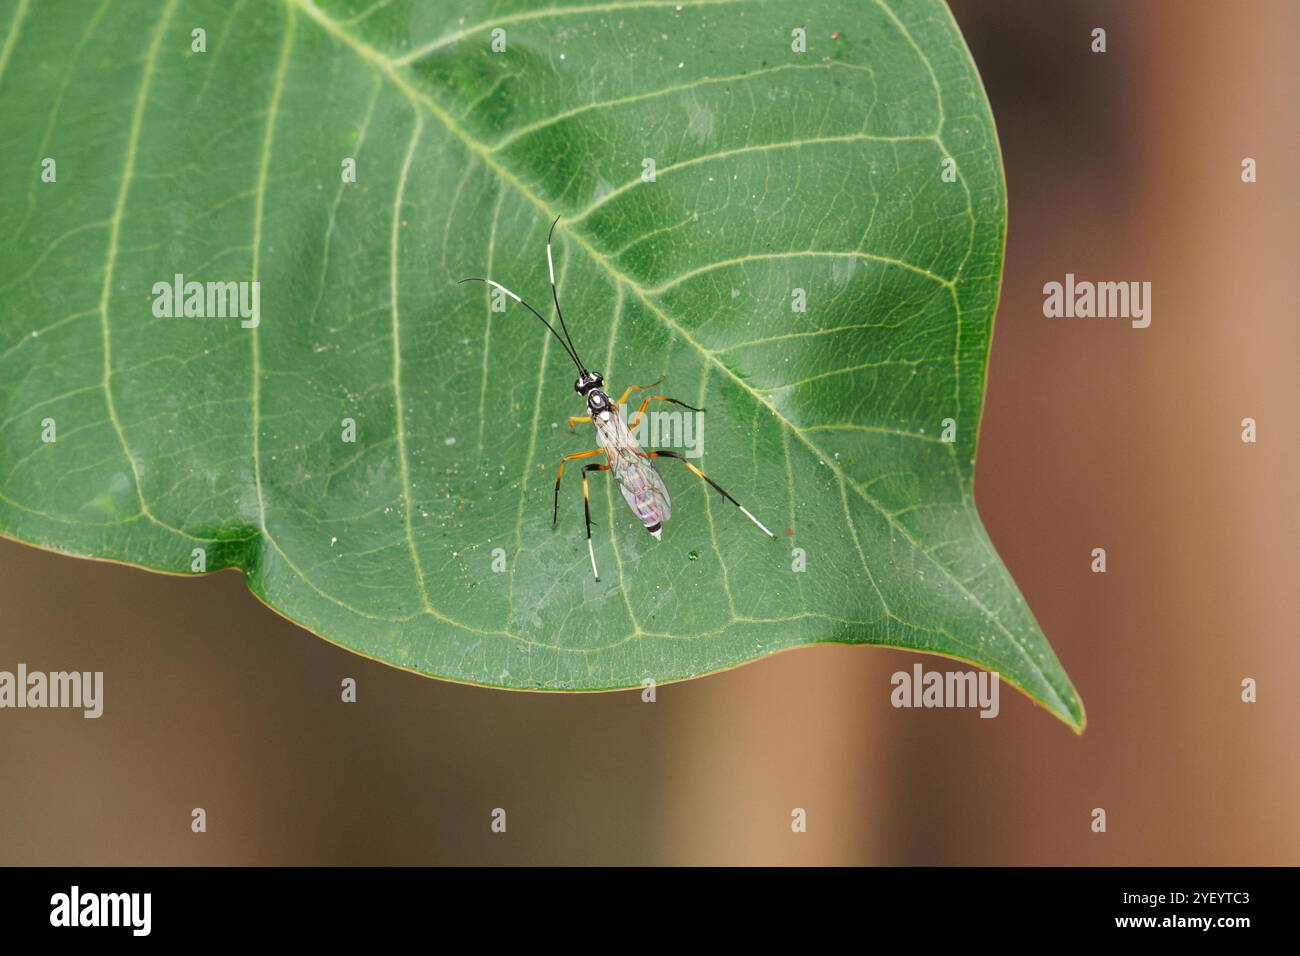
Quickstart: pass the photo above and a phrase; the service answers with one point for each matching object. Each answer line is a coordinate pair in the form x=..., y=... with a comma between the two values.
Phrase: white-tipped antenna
x=591, y=551
x=564, y=339
x=555, y=294
x=498, y=285
x=756, y=521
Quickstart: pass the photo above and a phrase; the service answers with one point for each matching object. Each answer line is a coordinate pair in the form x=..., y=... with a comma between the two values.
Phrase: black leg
x=717, y=487
x=586, y=507
x=555, y=515
x=673, y=401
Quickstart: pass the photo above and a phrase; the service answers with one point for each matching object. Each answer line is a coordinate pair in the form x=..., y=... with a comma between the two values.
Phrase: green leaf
x=776, y=170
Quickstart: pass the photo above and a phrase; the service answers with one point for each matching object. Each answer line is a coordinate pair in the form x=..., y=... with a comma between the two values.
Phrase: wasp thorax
x=598, y=402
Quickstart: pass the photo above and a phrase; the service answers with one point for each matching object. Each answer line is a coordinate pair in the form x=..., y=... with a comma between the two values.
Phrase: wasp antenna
x=550, y=263
x=555, y=294
x=568, y=349
x=762, y=527
x=495, y=285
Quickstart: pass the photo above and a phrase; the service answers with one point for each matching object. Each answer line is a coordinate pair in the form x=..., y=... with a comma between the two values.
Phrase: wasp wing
x=637, y=477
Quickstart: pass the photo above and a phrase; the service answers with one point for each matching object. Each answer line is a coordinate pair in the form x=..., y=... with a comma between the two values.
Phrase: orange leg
x=657, y=398
x=577, y=418
x=560, y=474
x=635, y=388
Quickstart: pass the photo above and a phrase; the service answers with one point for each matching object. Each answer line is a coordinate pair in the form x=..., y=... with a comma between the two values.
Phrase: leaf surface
x=781, y=179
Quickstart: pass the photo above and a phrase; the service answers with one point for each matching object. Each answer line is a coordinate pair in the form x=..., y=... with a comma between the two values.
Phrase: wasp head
x=587, y=382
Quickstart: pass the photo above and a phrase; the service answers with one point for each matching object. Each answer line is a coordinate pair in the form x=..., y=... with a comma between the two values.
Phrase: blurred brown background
x=1123, y=166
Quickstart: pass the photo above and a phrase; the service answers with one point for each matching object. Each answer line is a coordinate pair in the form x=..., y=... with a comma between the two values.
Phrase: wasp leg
x=577, y=418
x=717, y=487
x=636, y=388
x=555, y=516
x=660, y=398
x=586, y=507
